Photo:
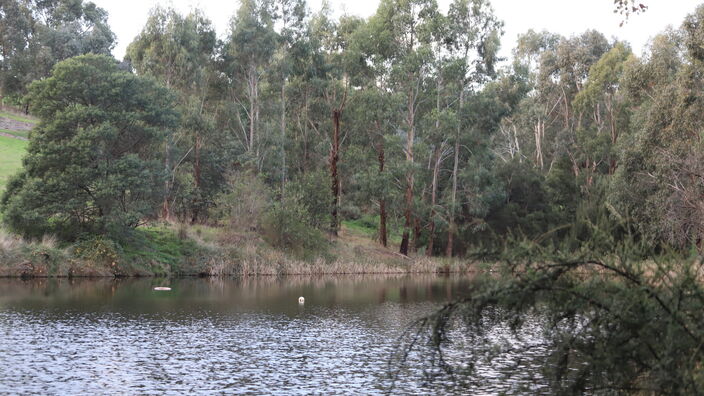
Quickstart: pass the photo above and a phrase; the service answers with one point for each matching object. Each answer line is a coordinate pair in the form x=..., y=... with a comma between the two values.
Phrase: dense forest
x=407, y=121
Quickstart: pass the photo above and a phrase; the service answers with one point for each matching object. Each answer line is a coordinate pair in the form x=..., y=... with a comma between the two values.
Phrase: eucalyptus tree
x=401, y=31
x=605, y=103
x=179, y=51
x=559, y=68
x=16, y=26
x=375, y=151
x=247, y=56
x=659, y=179
x=339, y=68
x=35, y=35
x=293, y=45
x=473, y=45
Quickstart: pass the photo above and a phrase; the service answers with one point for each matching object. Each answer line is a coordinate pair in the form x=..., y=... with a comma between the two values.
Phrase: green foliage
x=285, y=227
x=242, y=207
x=100, y=250
x=312, y=193
x=369, y=225
x=613, y=323
x=161, y=250
x=91, y=164
x=295, y=223
x=35, y=35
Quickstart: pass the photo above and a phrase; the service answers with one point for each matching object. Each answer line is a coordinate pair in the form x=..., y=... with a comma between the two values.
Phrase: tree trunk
x=334, y=157
x=408, y=212
x=539, y=130
x=255, y=136
x=283, y=137
x=434, y=187
x=382, y=223
x=451, y=226
x=382, y=202
x=416, y=235
x=433, y=200
x=614, y=136
x=196, y=165
x=252, y=105
x=165, y=209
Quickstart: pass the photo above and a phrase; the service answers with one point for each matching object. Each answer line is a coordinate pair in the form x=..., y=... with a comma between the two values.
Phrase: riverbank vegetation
x=593, y=323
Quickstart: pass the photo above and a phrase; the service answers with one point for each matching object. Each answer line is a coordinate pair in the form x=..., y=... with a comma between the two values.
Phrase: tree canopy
x=91, y=165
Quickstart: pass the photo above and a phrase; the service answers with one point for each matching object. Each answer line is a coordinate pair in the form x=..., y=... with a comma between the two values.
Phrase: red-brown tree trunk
x=410, y=179
x=416, y=235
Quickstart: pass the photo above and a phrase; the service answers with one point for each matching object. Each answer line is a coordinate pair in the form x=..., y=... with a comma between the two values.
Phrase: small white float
x=301, y=300
x=161, y=288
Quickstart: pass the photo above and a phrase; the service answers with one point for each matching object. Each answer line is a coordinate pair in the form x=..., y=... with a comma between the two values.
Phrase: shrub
x=284, y=227
x=350, y=212
x=312, y=192
x=241, y=208
x=99, y=249
x=609, y=325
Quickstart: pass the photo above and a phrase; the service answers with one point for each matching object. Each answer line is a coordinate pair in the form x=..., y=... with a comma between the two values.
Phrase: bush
x=350, y=212
x=284, y=227
x=99, y=250
x=241, y=208
x=614, y=324
x=312, y=192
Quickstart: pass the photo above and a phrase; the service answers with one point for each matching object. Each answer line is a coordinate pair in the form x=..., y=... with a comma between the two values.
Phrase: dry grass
x=350, y=253
x=222, y=253
x=42, y=258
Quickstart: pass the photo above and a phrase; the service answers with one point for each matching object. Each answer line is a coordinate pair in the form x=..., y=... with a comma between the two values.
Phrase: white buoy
x=160, y=288
x=301, y=300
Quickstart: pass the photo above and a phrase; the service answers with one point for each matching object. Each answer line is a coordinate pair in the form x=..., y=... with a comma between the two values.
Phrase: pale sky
x=566, y=17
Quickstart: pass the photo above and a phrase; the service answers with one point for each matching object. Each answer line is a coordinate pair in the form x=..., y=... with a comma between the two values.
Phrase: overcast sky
x=567, y=17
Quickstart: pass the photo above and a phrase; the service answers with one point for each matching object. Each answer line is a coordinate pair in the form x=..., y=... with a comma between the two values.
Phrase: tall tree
x=402, y=33
x=474, y=42
x=293, y=32
x=247, y=55
x=35, y=35
x=92, y=162
x=179, y=51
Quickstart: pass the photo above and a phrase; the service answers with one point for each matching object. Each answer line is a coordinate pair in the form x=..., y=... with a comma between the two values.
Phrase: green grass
x=158, y=244
x=368, y=226
x=19, y=118
x=11, y=153
x=24, y=134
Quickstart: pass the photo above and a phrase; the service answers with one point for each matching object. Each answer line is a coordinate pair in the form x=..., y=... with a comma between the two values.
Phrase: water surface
x=218, y=335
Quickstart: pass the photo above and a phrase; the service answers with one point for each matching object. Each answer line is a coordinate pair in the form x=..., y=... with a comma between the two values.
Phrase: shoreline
x=424, y=267
x=167, y=253
x=239, y=276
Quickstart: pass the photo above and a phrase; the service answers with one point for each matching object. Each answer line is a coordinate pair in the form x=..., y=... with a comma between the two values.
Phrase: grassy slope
x=368, y=226
x=17, y=117
x=22, y=134
x=11, y=153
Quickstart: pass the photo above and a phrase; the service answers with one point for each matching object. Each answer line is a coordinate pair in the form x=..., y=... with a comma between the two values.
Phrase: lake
x=61, y=336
